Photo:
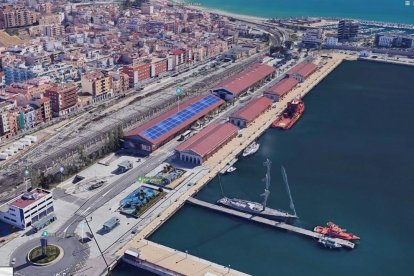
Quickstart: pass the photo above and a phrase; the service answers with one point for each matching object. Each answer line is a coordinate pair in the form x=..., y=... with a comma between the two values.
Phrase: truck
x=125, y=166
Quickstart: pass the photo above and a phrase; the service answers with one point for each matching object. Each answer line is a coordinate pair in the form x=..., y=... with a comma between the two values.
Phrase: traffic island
x=52, y=254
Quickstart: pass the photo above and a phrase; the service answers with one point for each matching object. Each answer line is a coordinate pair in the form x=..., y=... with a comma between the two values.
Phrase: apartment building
x=63, y=98
x=98, y=84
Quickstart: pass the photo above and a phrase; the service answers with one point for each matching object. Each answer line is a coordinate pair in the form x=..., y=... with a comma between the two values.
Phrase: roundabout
x=63, y=254
x=53, y=253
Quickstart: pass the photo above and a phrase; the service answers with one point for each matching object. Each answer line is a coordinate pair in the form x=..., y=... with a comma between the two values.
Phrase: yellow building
x=98, y=84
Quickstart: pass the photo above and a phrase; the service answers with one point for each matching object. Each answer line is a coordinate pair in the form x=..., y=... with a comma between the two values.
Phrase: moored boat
x=261, y=209
x=333, y=230
x=290, y=115
x=251, y=149
x=329, y=243
x=231, y=169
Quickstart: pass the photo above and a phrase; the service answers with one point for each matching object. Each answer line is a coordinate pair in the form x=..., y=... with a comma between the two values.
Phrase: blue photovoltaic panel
x=171, y=122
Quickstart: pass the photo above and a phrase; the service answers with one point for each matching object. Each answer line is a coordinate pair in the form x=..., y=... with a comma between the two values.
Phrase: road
x=114, y=189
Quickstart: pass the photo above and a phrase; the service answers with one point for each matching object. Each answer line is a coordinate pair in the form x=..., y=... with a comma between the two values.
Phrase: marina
x=320, y=194
x=276, y=224
x=235, y=147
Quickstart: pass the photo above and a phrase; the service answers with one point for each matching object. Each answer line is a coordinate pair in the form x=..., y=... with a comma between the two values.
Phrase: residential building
x=98, y=84
x=138, y=74
x=63, y=98
x=347, y=30
x=394, y=40
x=12, y=16
x=158, y=67
x=312, y=37
x=18, y=73
x=120, y=82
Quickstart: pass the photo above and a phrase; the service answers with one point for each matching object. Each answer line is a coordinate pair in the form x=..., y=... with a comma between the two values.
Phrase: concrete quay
x=277, y=224
x=161, y=259
x=230, y=151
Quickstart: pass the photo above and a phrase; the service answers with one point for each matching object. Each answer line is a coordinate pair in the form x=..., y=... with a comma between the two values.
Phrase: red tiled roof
x=304, y=69
x=283, y=86
x=253, y=109
x=209, y=139
x=137, y=131
x=242, y=81
x=177, y=52
x=23, y=203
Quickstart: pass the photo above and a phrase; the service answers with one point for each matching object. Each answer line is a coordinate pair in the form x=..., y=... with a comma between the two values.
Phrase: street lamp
x=99, y=248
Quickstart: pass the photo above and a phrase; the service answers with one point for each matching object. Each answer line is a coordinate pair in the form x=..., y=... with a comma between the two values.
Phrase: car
x=134, y=231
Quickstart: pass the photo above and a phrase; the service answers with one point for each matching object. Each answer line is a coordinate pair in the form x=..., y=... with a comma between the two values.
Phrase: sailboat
x=260, y=209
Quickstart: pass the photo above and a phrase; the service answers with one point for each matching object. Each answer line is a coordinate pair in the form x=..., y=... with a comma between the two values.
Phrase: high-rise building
x=11, y=16
x=347, y=30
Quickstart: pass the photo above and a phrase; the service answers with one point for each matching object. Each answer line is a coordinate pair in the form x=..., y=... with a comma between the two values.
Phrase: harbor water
x=348, y=159
x=378, y=10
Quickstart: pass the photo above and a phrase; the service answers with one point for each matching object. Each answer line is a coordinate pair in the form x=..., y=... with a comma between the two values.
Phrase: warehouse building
x=250, y=79
x=278, y=91
x=247, y=114
x=302, y=71
x=158, y=131
x=204, y=144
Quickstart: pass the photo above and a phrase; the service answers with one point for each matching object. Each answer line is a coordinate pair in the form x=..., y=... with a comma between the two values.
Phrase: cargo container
x=32, y=138
x=4, y=156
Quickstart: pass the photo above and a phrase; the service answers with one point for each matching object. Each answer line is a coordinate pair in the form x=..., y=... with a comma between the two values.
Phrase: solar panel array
x=175, y=120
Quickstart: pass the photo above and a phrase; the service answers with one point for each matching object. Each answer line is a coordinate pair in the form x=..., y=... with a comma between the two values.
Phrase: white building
x=331, y=41
x=28, y=208
x=385, y=41
x=147, y=8
x=312, y=37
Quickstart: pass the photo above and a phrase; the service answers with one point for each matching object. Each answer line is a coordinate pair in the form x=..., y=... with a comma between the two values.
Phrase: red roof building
x=247, y=114
x=204, y=144
x=28, y=208
x=280, y=89
x=302, y=71
x=240, y=83
x=158, y=131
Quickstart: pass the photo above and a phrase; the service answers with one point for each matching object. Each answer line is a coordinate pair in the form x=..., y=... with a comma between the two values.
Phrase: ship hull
x=286, y=123
x=241, y=205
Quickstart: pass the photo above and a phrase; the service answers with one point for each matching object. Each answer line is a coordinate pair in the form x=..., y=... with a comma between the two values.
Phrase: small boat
x=329, y=243
x=251, y=149
x=231, y=169
x=334, y=231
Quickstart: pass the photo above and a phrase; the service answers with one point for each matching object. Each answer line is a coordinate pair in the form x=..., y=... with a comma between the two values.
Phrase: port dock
x=224, y=156
x=277, y=224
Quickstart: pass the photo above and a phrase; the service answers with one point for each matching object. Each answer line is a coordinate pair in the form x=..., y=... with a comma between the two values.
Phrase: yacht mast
x=266, y=193
x=285, y=179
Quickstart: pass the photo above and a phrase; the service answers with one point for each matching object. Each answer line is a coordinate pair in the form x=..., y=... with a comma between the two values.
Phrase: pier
x=277, y=224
